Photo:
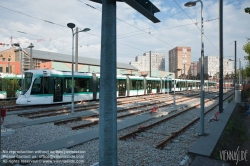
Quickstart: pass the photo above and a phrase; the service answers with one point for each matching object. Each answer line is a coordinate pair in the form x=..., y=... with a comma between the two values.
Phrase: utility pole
x=239, y=71
x=76, y=51
x=150, y=63
x=221, y=55
x=235, y=66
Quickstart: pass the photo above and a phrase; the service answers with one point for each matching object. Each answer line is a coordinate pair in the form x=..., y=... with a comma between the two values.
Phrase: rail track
x=83, y=107
x=94, y=118
x=164, y=141
x=175, y=134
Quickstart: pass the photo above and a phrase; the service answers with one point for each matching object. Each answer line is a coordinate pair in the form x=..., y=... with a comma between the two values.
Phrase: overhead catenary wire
x=50, y=22
x=132, y=25
x=142, y=30
x=196, y=25
x=168, y=28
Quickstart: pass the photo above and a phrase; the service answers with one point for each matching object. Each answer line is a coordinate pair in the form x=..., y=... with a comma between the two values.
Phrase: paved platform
x=205, y=145
x=205, y=161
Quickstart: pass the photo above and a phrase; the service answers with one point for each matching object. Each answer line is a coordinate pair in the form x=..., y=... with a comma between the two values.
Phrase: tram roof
x=67, y=58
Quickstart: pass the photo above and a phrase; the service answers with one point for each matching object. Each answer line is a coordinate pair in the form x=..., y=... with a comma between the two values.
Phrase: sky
x=44, y=23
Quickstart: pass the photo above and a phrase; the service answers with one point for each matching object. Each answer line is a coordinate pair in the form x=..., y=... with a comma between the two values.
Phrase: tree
x=247, y=10
x=206, y=76
x=246, y=48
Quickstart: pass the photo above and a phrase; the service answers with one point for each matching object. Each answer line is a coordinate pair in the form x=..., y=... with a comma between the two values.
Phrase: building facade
x=180, y=58
x=142, y=63
x=212, y=68
x=193, y=69
x=10, y=62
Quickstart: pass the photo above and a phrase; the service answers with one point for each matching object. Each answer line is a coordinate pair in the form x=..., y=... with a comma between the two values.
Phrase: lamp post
x=168, y=84
x=72, y=26
x=180, y=77
x=190, y=4
x=21, y=62
x=209, y=79
x=31, y=58
x=175, y=83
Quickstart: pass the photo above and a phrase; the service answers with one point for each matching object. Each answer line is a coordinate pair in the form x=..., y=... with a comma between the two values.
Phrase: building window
x=1, y=69
x=3, y=59
x=9, y=59
x=7, y=70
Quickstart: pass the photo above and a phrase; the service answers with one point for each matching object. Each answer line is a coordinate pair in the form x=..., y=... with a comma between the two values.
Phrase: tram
x=52, y=86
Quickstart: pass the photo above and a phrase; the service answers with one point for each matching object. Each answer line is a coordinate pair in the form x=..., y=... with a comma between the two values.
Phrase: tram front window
x=27, y=82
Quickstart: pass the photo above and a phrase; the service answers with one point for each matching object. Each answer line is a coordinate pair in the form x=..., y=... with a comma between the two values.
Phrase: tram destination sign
x=144, y=7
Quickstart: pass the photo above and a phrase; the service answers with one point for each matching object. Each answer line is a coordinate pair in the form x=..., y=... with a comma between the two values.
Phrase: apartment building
x=142, y=62
x=180, y=58
x=211, y=66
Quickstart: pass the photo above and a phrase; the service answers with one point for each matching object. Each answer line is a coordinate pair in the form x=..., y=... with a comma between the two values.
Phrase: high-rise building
x=180, y=58
x=142, y=63
x=194, y=68
x=211, y=66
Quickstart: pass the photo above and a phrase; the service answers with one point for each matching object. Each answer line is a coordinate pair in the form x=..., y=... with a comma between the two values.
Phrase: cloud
x=135, y=33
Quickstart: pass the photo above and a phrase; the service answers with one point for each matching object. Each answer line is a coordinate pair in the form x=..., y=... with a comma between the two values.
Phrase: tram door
x=158, y=86
x=149, y=87
x=58, y=90
x=121, y=87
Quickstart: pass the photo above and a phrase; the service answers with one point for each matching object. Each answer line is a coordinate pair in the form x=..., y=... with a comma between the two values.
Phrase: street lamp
x=180, y=77
x=168, y=84
x=190, y=4
x=21, y=62
x=175, y=83
x=31, y=58
x=209, y=78
x=71, y=26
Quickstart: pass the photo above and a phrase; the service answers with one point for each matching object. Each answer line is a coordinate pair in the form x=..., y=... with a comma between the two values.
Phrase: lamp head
x=16, y=44
x=71, y=25
x=31, y=45
x=85, y=30
x=190, y=4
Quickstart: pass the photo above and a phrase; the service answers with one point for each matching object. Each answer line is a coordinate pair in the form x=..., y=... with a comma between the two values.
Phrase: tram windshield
x=27, y=82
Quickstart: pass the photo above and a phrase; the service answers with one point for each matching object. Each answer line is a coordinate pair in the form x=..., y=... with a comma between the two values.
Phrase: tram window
x=140, y=84
x=1, y=84
x=133, y=85
x=153, y=85
x=27, y=82
x=45, y=83
x=68, y=84
x=177, y=85
x=83, y=85
x=36, y=86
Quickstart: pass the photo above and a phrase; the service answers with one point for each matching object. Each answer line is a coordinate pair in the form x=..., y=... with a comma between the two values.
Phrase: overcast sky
x=31, y=21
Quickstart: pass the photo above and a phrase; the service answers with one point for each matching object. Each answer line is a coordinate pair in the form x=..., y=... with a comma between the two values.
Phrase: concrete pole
x=175, y=86
x=108, y=103
x=31, y=59
x=76, y=51
x=20, y=55
x=72, y=73
x=202, y=75
x=149, y=63
x=221, y=55
x=235, y=65
x=239, y=71
x=21, y=68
